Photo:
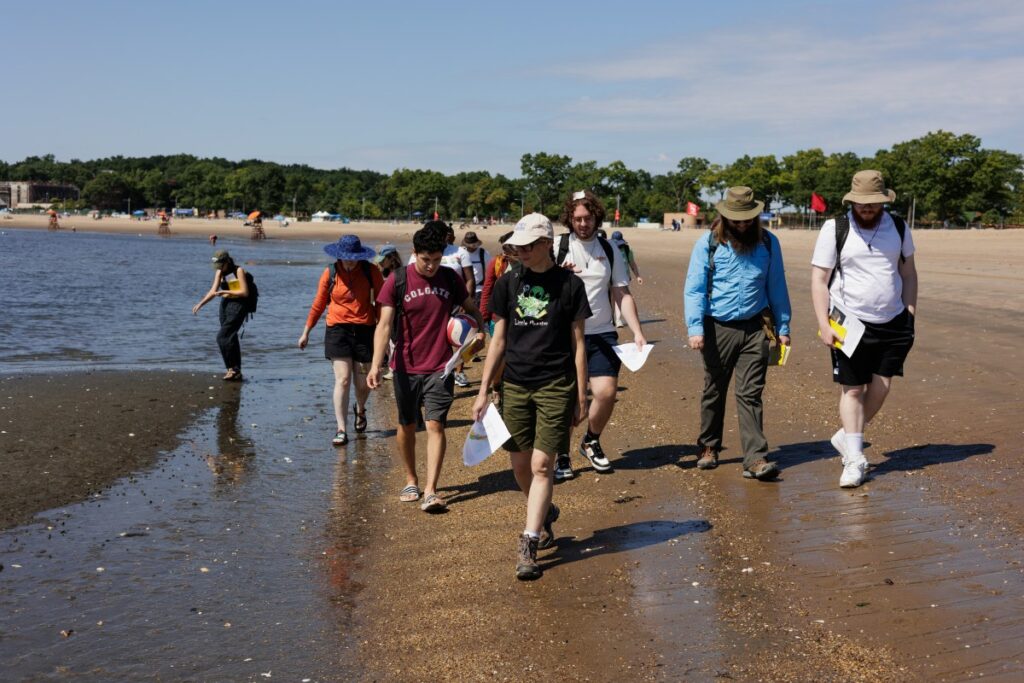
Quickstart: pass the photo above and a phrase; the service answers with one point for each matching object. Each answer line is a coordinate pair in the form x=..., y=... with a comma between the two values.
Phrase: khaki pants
x=737, y=348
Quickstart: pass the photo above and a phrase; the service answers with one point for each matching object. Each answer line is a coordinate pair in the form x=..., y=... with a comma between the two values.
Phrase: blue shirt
x=743, y=285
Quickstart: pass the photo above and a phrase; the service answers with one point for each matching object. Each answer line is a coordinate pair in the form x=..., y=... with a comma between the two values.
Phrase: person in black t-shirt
x=539, y=312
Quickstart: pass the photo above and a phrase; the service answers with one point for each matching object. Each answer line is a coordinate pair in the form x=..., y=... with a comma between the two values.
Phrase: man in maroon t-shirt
x=421, y=352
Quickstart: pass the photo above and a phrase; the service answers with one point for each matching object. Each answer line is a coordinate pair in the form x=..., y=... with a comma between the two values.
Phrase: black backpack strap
x=400, y=275
x=712, y=248
x=330, y=281
x=563, y=248
x=842, y=231
x=609, y=253
x=901, y=229
x=368, y=274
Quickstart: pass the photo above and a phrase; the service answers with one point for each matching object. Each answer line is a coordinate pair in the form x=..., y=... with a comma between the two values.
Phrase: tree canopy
x=949, y=176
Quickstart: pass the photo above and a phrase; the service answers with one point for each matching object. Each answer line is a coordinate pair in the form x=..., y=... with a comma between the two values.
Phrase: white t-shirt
x=477, y=259
x=594, y=269
x=869, y=285
x=451, y=257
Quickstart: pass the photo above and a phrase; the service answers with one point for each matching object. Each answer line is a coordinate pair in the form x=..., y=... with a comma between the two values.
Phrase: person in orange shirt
x=347, y=290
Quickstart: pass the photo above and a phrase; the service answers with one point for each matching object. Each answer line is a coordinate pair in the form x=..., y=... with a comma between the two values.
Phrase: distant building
x=26, y=194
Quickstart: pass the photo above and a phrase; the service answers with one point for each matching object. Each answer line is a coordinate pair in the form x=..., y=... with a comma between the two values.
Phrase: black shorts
x=349, y=340
x=431, y=392
x=602, y=361
x=881, y=351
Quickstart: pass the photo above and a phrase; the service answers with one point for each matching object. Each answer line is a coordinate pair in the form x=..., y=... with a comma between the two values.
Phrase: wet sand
x=64, y=437
x=663, y=572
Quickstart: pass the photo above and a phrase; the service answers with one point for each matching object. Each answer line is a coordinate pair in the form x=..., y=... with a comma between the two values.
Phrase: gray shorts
x=429, y=392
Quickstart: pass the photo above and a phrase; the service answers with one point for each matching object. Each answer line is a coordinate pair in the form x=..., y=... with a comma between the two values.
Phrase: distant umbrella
x=417, y=213
x=140, y=212
x=254, y=215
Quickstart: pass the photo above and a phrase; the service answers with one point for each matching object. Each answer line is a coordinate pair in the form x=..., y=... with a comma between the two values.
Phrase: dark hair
x=742, y=243
x=590, y=200
x=430, y=238
x=504, y=238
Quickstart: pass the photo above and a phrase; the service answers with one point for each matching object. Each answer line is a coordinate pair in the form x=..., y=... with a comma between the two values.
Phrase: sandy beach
x=663, y=572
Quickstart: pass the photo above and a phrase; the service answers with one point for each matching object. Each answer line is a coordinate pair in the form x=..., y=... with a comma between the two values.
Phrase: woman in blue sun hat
x=347, y=290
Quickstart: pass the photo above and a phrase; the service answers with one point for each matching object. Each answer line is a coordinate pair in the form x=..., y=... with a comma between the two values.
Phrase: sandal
x=410, y=494
x=340, y=438
x=232, y=376
x=360, y=421
x=433, y=503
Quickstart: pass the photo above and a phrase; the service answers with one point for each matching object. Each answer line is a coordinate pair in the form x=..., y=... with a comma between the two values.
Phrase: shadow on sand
x=623, y=538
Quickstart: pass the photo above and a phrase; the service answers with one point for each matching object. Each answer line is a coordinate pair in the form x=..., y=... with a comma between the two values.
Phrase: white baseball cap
x=530, y=228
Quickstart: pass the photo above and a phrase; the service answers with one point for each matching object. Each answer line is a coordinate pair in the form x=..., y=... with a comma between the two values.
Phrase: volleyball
x=460, y=329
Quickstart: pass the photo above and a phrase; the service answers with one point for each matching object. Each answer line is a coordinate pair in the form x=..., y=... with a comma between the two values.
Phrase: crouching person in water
x=231, y=285
x=539, y=312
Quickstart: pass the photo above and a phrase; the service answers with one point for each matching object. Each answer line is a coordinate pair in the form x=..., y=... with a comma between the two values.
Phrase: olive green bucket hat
x=739, y=204
x=868, y=187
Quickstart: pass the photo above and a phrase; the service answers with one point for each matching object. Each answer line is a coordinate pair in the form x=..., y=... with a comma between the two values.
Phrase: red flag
x=436, y=216
x=818, y=203
x=692, y=208
x=616, y=214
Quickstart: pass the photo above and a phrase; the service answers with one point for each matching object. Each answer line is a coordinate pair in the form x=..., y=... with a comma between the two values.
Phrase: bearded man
x=735, y=283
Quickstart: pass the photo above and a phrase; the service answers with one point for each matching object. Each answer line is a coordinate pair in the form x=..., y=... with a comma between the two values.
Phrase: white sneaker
x=854, y=471
x=461, y=379
x=839, y=443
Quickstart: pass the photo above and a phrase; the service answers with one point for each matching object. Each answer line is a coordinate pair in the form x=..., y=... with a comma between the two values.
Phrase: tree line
x=951, y=177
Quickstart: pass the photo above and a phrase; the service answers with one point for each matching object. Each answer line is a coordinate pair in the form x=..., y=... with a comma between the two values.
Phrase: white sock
x=855, y=445
x=535, y=536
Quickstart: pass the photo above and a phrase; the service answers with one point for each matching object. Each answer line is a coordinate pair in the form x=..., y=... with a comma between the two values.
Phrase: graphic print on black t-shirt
x=539, y=315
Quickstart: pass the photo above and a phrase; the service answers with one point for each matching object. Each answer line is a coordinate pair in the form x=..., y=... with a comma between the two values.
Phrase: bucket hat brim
x=869, y=198
x=740, y=215
x=336, y=251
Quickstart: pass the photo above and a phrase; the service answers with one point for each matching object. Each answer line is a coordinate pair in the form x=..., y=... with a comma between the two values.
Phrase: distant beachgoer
x=863, y=262
x=735, y=275
x=213, y=240
x=496, y=267
x=231, y=285
x=388, y=259
x=540, y=311
x=603, y=271
x=627, y=255
x=346, y=290
x=417, y=301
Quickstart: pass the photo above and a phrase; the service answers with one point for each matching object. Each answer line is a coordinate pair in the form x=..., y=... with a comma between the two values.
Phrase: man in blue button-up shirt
x=724, y=297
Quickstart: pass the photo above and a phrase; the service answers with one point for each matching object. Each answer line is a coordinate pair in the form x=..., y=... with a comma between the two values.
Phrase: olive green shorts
x=539, y=417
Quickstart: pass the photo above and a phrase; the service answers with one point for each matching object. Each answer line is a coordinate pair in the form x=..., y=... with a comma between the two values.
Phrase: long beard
x=743, y=242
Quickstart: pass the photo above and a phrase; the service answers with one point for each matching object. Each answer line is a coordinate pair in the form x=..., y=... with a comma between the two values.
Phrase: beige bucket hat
x=739, y=204
x=868, y=187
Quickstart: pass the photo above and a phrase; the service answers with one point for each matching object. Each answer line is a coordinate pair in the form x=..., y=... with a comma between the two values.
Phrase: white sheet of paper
x=854, y=331
x=454, y=360
x=485, y=437
x=630, y=357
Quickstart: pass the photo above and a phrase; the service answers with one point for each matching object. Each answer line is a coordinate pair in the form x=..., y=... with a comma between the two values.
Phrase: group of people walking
x=550, y=305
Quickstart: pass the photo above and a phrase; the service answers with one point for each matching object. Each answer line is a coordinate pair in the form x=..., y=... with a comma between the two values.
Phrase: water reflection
x=234, y=459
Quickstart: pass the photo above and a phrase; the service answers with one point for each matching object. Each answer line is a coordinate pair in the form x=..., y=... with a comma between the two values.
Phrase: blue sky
x=457, y=86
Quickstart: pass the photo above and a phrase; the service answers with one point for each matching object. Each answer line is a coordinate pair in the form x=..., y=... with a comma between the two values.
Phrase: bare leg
x=603, y=390
x=436, y=444
x=407, y=451
x=539, y=499
x=522, y=469
x=851, y=409
x=342, y=382
x=362, y=391
x=875, y=396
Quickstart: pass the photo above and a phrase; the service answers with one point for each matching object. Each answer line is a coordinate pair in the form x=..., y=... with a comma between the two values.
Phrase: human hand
x=303, y=340
x=829, y=338
x=580, y=414
x=784, y=339
x=640, y=341
x=373, y=377
x=697, y=342
x=480, y=405
x=570, y=266
x=195, y=309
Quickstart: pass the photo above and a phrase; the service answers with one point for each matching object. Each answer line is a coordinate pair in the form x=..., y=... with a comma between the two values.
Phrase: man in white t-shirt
x=472, y=250
x=873, y=279
x=603, y=271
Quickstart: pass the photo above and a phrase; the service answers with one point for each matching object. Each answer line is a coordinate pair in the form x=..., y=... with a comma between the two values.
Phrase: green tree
x=546, y=175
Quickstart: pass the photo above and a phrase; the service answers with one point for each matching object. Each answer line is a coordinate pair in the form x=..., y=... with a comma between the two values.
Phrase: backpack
x=843, y=230
x=366, y=272
x=401, y=284
x=713, y=247
x=563, y=249
x=254, y=294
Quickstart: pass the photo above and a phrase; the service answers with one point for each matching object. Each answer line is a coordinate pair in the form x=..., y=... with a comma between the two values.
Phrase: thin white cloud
x=941, y=65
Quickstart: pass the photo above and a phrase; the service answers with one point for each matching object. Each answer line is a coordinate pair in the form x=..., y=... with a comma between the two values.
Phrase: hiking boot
x=838, y=441
x=547, y=534
x=527, y=568
x=854, y=471
x=762, y=470
x=461, y=379
x=708, y=459
x=563, y=467
x=593, y=452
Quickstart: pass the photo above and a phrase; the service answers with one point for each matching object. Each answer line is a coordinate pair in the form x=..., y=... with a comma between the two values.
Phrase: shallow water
x=231, y=558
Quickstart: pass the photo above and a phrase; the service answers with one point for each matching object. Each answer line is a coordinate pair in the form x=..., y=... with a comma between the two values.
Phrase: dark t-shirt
x=540, y=314
x=422, y=346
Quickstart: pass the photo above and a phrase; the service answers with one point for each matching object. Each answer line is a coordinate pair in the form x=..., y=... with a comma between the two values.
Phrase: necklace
x=874, y=234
